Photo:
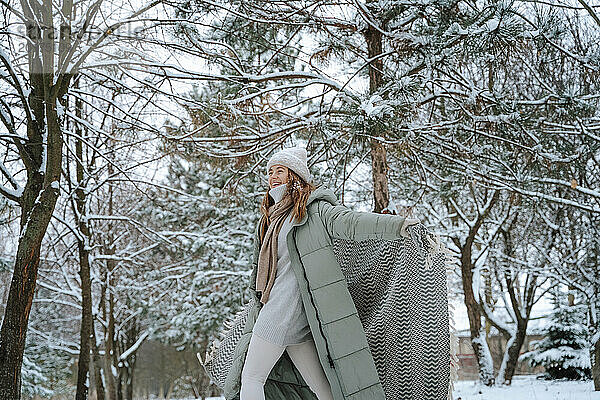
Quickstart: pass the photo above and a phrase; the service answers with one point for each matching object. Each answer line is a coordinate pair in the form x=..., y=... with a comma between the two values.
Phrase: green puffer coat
x=332, y=316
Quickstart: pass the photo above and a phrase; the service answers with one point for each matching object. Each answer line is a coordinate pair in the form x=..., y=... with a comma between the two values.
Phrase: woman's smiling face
x=278, y=174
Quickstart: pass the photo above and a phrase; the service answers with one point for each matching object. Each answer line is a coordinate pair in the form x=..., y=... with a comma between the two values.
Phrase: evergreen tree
x=46, y=372
x=204, y=276
x=564, y=349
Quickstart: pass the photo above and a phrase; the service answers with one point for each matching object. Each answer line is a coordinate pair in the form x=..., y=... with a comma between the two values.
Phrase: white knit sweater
x=282, y=320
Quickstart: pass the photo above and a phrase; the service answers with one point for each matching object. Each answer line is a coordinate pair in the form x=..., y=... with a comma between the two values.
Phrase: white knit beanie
x=294, y=158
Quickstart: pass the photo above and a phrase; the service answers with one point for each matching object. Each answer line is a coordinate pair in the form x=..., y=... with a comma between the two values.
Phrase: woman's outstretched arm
x=344, y=223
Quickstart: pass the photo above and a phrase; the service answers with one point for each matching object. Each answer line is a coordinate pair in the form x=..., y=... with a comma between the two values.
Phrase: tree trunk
x=127, y=366
x=478, y=340
x=127, y=379
x=129, y=392
x=170, y=390
x=478, y=335
x=34, y=222
x=595, y=357
x=381, y=194
x=37, y=205
x=111, y=385
x=571, y=296
x=109, y=338
x=86, y=323
x=120, y=384
x=379, y=167
x=511, y=356
x=84, y=266
x=97, y=366
x=521, y=303
x=41, y=154
x=16, y=317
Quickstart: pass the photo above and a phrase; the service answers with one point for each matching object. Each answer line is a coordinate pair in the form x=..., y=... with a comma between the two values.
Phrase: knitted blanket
x=400, y=292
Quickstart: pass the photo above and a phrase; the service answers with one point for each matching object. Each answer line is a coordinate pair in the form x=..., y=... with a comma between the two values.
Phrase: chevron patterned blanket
x=400, y=292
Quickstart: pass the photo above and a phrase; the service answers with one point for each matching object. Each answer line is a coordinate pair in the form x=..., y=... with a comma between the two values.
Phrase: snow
x=502, y=372
x=567, y=356
x=208, y=398
x=60, y=110
x=135, y=346
x=531, y=34
x=376, y=107
x=5, y=115
x=456, y=29
x=24, y=227
x=476, y=284
x=527, y=388
x=492, y=24
x=15, y=193
x=487, y=364
x=522, y=388
x=44, y=149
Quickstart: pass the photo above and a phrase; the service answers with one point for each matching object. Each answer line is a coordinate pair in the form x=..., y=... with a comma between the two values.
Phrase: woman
x=282, y=324
x=305, y=311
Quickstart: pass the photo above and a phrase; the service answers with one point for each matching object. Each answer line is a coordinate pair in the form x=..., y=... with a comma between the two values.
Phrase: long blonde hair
x=299, y=189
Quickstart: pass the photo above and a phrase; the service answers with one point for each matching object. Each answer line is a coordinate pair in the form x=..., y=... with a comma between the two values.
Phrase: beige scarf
x=267, y=258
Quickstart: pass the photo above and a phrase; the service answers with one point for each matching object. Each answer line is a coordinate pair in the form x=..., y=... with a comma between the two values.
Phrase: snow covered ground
x=522, y=388
x=527, y=388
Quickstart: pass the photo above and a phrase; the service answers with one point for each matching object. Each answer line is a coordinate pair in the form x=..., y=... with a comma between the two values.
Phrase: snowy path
x=527, y=388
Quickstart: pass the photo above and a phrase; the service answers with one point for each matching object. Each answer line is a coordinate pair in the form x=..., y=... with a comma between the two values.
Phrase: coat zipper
x=329, y=358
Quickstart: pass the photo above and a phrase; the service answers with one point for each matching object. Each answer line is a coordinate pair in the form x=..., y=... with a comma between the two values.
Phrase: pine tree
x=206, y=273
x=564, y=349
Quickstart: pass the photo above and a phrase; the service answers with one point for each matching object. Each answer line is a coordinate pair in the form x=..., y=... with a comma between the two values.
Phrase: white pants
x=261, y=358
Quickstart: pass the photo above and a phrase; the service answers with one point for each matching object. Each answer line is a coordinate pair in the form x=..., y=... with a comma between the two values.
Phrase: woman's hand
x=408, y=222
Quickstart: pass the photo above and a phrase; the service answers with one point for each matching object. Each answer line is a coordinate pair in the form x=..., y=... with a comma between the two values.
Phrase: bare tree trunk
x=379, y=167
x=127, y=365
x=521, y=304
x=41, y=154
x=126, y=378
x=129, y=391
x=478, y=336
x=595, y=357
x=37, y=206
x=571, y=297
x=511, y=356
x=97, y=366
x=34, y=222
x=86, y=322
x=120, y=384
x=516, y=338
x=381, y=192
x=594, y=308
x=109, y=368
x=109, y=338
x=170, y=390
x=16, y=316
x=84, y=265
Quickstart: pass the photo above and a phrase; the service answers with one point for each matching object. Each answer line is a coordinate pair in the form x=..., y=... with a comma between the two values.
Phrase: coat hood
x=323, y=193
